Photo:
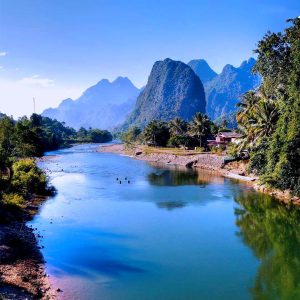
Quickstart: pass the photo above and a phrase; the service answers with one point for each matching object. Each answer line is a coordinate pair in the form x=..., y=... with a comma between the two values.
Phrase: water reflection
x=272, y=231
x=177, y=175
x=170, y=205
x=169, y=234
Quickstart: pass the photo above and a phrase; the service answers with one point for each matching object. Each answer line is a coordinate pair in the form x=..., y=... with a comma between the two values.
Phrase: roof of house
x=230, y=134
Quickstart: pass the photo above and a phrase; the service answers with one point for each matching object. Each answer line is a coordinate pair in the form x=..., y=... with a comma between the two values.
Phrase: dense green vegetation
x=21, y=182
x=32, y=136
x=175, y=133
x=270, y=116
x=91, y=135
x=20, y=140
x=272, y=232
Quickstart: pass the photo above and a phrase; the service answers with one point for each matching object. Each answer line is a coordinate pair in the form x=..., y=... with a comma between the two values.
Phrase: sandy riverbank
x=214, y=162
x=22, y=273
x=184, y=158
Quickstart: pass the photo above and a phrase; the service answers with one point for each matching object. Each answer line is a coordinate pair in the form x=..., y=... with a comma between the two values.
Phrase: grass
x=174, y=151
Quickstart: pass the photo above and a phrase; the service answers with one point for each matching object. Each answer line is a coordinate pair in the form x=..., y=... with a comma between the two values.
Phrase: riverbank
x=22, y=272
x=186, y=158
x=207, y=161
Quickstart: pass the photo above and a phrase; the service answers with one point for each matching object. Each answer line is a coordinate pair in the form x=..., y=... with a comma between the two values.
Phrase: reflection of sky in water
x=167, y=231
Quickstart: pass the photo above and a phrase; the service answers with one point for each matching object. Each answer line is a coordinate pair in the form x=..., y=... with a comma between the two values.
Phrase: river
x=162, y=233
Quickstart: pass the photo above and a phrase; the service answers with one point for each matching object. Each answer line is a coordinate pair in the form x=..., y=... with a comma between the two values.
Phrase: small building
x=224, y=138
x=228, y=137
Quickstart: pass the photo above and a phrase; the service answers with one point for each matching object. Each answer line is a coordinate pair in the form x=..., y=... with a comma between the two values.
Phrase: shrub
x=233, y=150
x=217, y=150
x=28, y=178
x=200, y=149
x=178, y=141
x=14, y=200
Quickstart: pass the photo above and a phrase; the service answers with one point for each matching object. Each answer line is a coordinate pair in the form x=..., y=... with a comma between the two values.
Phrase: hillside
x=224, y=91
x=203, y=70
x=173, y=90
x=104, y=105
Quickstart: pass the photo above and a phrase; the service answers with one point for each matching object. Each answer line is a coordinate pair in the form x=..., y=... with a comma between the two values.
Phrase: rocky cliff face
x=224, y=91
x=104, y=105
x=173, y=90
x=203, y=70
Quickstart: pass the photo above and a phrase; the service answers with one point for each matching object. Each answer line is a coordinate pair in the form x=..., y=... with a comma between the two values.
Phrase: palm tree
x=156, y=133
x=257, y=117
x=177, y=127
x=267, y=114
x=199, y=126
x=246, y=107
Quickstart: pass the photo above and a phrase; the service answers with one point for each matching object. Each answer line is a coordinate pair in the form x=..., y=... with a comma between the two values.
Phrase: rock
x=223, y=91
x=203, y=70
x=173, y=90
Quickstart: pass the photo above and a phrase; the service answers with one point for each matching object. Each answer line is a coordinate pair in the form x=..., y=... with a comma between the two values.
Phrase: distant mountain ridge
x=173, y=90
x=104, y=105
x=203, y=70
x=225, y=90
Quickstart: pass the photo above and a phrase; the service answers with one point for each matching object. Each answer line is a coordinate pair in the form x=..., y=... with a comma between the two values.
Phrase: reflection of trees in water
x=173, y=178
x=176, y=175
x=170, y=205
x=273, y=233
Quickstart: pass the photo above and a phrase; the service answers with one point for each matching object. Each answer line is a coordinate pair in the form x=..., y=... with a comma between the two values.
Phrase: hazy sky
x=55, y=49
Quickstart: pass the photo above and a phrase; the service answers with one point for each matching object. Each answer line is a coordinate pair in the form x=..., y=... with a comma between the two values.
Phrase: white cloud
x=37, y=81
x=3, y=53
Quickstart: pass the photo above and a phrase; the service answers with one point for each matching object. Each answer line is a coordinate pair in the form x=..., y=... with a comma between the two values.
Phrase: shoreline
x=22, y=269
x=207, y=161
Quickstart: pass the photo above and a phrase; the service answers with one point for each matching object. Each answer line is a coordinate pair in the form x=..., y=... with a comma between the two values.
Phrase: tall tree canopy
x=270, y=116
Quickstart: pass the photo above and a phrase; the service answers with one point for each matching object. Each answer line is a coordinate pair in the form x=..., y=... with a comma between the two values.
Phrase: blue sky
x=55, y=49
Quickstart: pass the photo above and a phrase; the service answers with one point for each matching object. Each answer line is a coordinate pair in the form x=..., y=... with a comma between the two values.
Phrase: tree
x=178, y=133
x=6, y=141
x=156, y=133
x=270, y=116
x=82, y=133
x=132, y=135
x=199, y=127
x=99, y=136
x=177, y=127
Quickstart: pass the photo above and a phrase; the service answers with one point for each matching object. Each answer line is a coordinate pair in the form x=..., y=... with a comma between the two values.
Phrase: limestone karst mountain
x=173, y=90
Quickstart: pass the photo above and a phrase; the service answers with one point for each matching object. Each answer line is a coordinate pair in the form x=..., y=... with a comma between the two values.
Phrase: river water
x=162, y=233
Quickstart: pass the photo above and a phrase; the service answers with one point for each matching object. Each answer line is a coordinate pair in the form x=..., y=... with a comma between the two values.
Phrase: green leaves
x=199, y=126
x=270, y=116
x=28, y=178
x=156, y=133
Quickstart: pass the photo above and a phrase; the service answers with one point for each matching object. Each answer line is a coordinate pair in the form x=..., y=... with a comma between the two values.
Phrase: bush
x=27, y=178
x=200, y=149
x=217, y=150
x=14, y=200
x=258, y=158
x=178, y=141
x=233, y=151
